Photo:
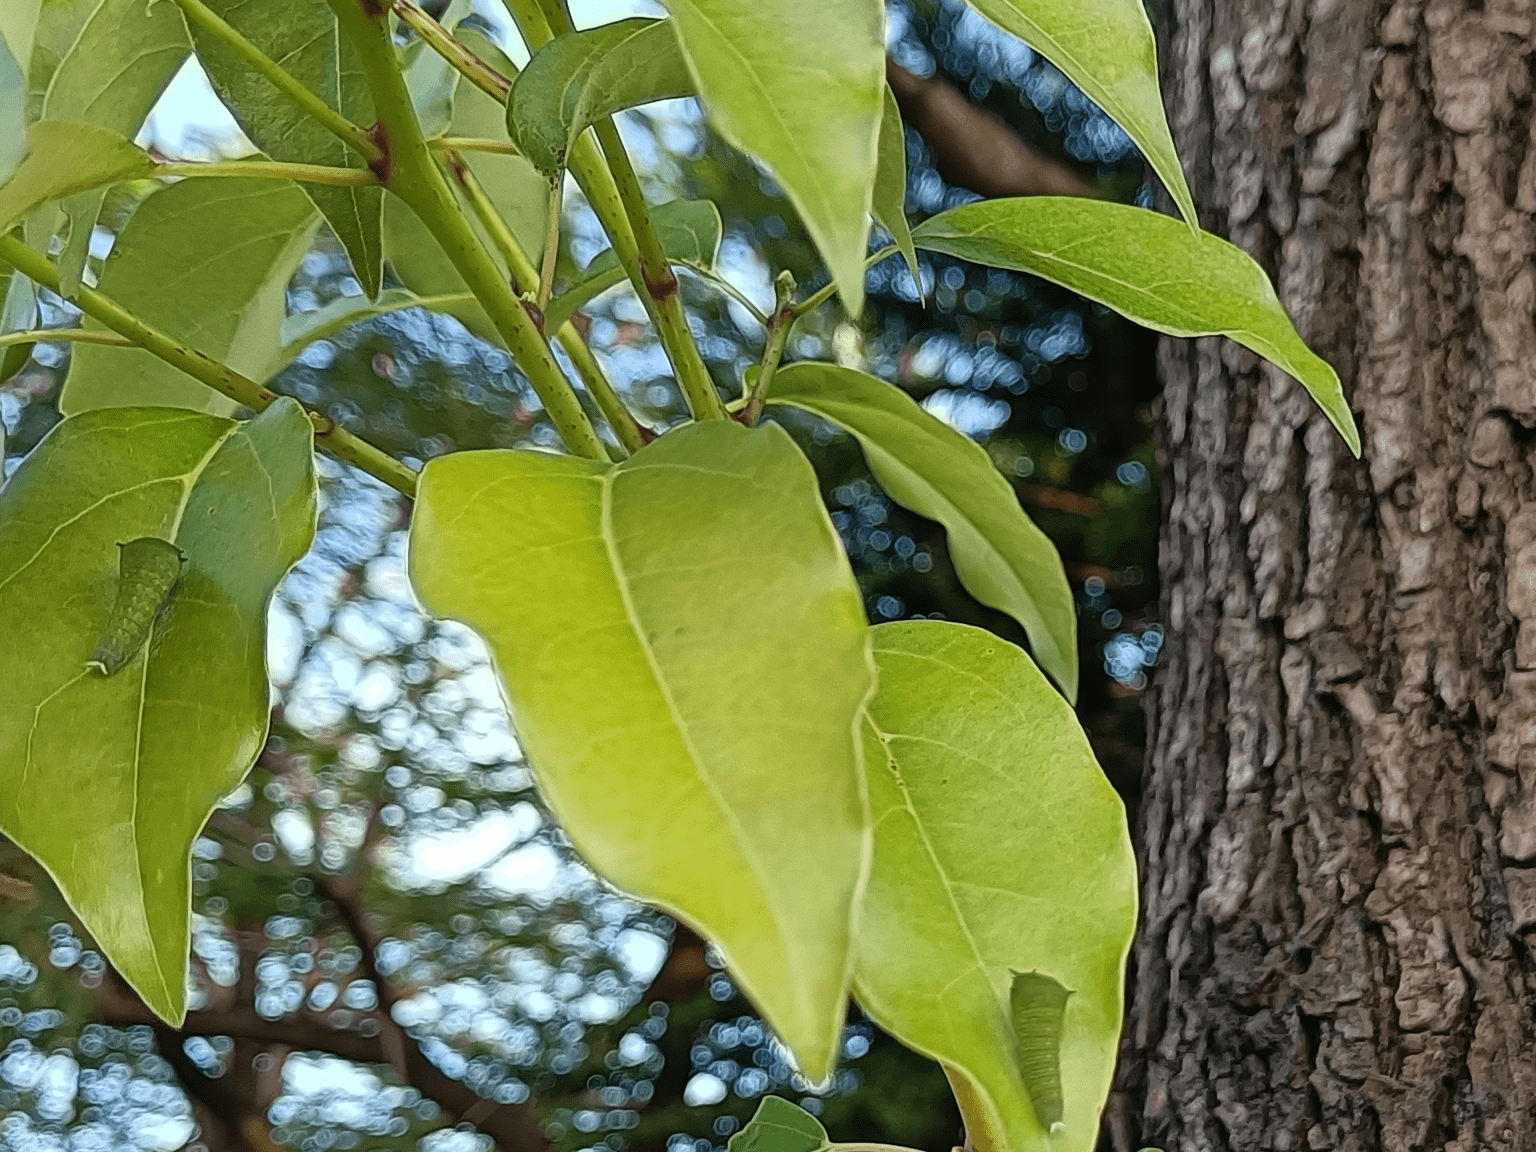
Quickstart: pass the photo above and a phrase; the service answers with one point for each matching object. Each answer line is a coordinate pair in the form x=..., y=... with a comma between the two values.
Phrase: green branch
x=220, y=377
x=66, y=336
x=415, y=177
x=472, y=144
x=446, y=45
x=302, y=98
x=524, y=280
x=271, y=170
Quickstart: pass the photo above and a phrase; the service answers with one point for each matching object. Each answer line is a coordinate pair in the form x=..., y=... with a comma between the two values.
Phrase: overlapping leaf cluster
x=908, y=813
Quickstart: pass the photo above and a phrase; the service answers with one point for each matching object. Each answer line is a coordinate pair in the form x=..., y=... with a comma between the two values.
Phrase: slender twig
x=296, y=92
x=220, y=377
x=779, y=327
x=660, y=282
x=324, y=331
x=730, y=290
x=414, y=176
x=271, y=170
x=551, y=241
x=446, y=45
x=822, y=295
x=66, y=336
x=473, y=144
x=524, y=280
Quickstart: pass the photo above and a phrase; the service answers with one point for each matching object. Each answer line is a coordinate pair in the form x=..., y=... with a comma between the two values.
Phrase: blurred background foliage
x=397, y=941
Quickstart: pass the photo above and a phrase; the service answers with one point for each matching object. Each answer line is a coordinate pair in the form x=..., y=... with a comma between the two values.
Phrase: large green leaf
x=683, y=650
x=890, y=196
x=689, y=231
x=108, y=779
x=207, y=261
x=64, y=158
x=1001, y=557
x=18, y=25
x=1106, y=48
x=800, y=86
x=576, y=79
x=305, y=37
x=999, y=849
x=123, y=56
x=1146, y=266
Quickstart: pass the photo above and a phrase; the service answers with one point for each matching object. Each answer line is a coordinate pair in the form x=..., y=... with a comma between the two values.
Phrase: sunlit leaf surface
x=1001, y=557
x=107, y=779
x=999, y=848
x=1106, y=48
x=64, y=158
x=683, y=649
x=1146, y=266
x=800, y=87
x=207, y=261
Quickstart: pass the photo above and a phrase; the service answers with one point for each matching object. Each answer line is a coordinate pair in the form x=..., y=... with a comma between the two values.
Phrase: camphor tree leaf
x=689, y=231
x=1107, y=49
x=800, y=87
x=578, y=78
x=64, y=158
x=890, y=196
x=779, y=1126
x=304, y=36
x=683, y=650
x=207, y=261
x=1001, y=557
x=18, y=25
x=1145, y=266
x=999, y=848
x=111, y=807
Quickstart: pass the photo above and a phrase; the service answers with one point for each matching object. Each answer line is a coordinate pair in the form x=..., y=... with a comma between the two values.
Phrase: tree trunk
x=1338, y=824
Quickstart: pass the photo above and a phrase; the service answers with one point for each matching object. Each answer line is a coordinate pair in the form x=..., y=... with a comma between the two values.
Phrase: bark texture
x=1338, y=825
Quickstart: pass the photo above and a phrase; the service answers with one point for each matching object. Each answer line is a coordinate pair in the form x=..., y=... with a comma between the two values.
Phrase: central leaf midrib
x=695, y=759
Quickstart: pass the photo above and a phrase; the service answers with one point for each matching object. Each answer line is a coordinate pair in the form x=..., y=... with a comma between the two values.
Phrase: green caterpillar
x=1039, y=1005
x=148, y=569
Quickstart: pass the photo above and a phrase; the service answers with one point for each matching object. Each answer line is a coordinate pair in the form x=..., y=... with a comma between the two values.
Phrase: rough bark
x=1338, y=825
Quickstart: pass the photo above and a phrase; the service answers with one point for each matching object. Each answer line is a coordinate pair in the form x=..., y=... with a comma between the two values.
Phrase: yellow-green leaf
x=1146, y=266
x=107, y=780
x=683, y=649
x=1001, y=557
x=207, y=261
x=890, y=196
x=1106, y=48
x=801, y=87
x=64, y=158
x=999, y=848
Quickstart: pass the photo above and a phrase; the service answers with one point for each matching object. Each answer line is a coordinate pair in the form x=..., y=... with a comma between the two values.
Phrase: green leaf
x=123, y=56
x=779, y=1126
x=18, y=25
x=800, y=87
x=18, y=313
x=207, y=261
x=1146, y=266
x=519, y=194
x=890, y=195
x=1107, y=49
x=64, y=158
x=107, y=780
x=430, y=79
x=999, y=848
x=683, y=650
x=577, y=79
x=1001, y=557
x=689, y=231
x=303, y=35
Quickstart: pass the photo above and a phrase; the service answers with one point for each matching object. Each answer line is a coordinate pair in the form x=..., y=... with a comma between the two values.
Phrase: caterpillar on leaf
x=1039, y=1004
x=147, y=572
